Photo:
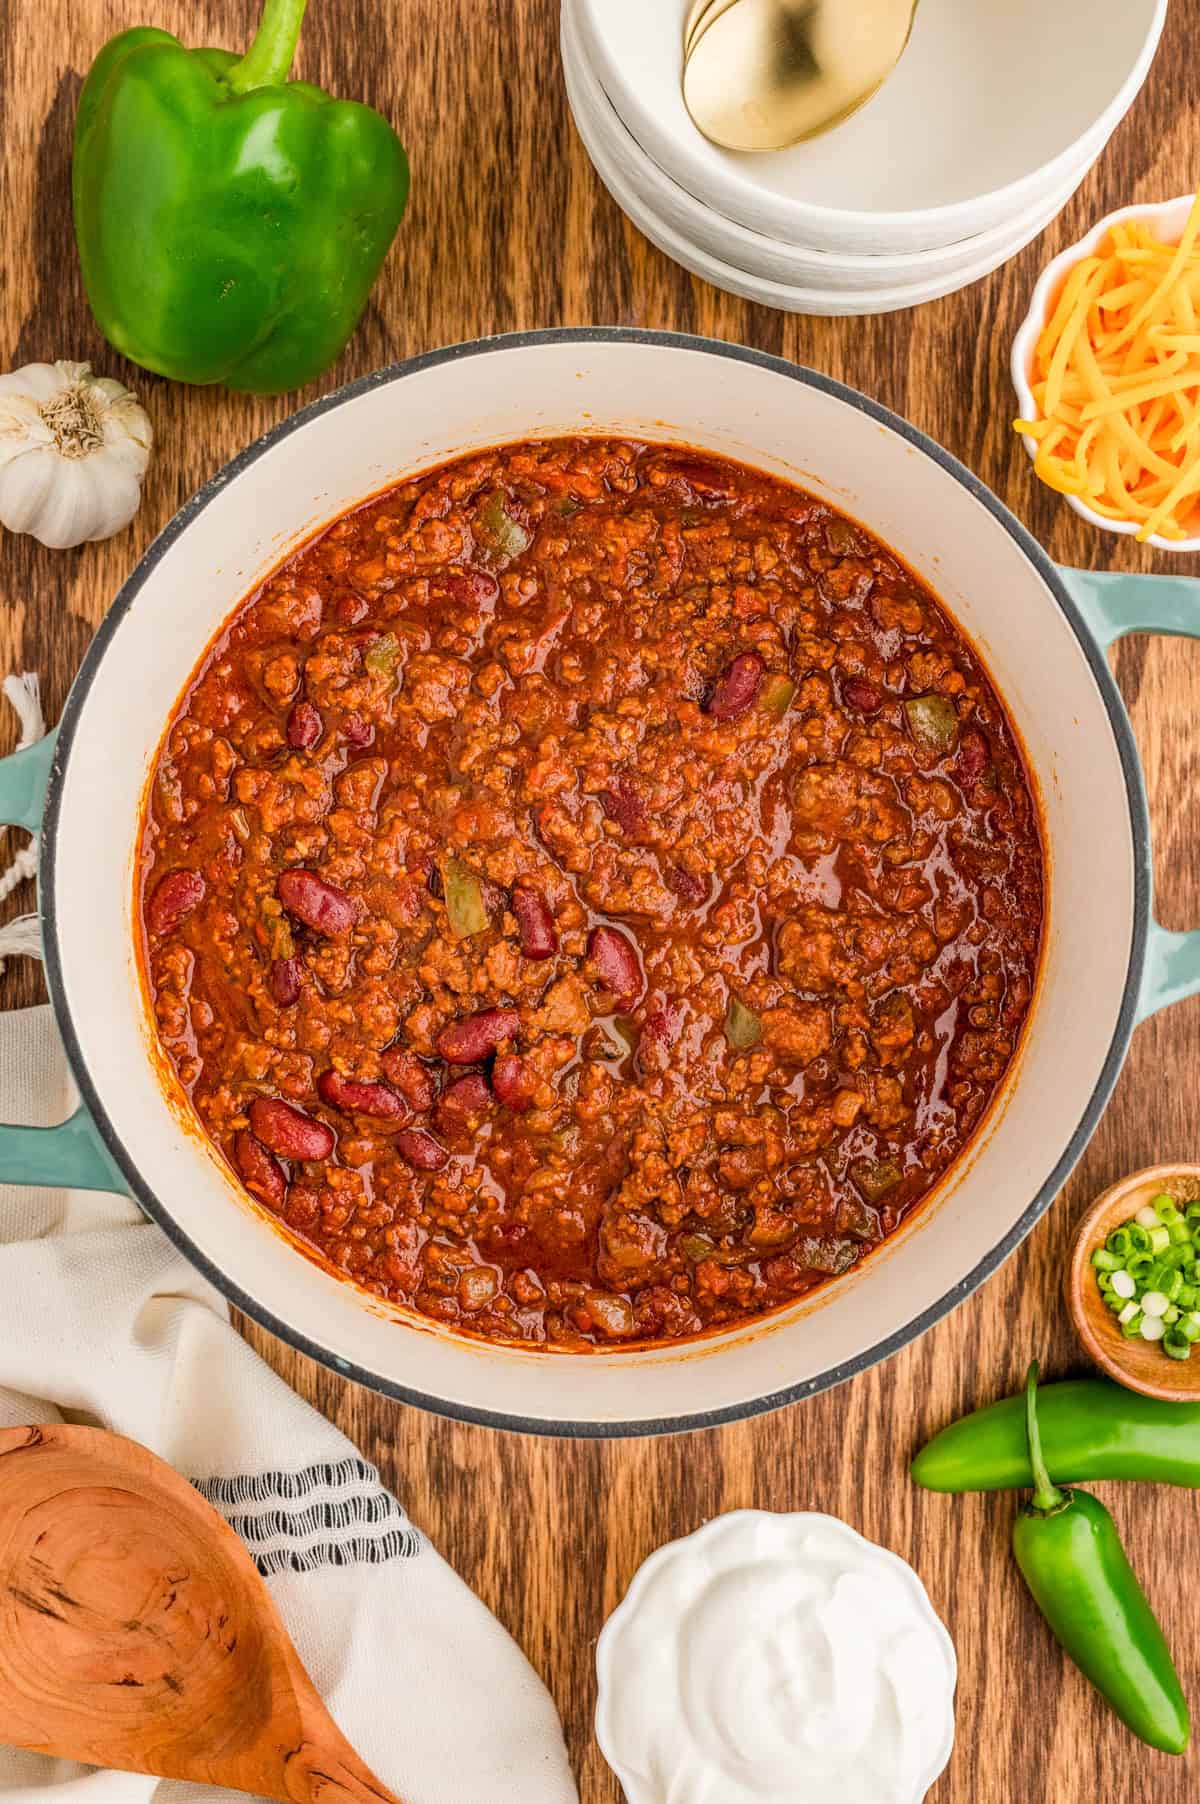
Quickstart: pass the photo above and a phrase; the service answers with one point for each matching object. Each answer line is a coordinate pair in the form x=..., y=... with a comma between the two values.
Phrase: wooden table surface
x=509, y=228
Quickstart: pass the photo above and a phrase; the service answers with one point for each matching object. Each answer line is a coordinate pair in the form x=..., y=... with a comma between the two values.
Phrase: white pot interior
x=727, y=404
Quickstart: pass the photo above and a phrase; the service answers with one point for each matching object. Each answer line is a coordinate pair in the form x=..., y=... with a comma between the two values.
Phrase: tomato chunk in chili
x=591, y=893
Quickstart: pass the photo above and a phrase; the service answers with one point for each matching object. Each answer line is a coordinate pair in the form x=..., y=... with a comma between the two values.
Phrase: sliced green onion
x=1148, y=1275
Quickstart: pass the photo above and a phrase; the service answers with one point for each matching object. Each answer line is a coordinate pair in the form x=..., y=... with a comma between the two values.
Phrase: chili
x=556, y=831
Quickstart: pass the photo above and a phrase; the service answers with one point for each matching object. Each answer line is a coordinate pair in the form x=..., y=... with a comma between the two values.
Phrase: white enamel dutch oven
x=1041, y=631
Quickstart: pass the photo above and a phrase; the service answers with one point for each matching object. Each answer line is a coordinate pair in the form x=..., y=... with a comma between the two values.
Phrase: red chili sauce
x=591, y=894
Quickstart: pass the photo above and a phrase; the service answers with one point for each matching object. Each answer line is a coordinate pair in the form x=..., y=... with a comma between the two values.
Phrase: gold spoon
x=764, y=74
x=700, y=18
x=136, y=1633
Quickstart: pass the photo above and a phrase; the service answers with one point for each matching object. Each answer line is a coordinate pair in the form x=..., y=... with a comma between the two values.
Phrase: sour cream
x=775, y=1659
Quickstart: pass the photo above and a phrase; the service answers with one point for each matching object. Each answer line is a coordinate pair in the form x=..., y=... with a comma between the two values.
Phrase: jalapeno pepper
x=1070, y=1555
x=1090, y=1429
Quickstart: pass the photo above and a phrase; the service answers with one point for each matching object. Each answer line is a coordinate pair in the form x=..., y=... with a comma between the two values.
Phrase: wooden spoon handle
x=322, y=1767
x=323, y=1775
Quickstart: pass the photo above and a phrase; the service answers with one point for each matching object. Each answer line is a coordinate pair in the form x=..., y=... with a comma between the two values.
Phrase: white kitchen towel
x=102, y=1321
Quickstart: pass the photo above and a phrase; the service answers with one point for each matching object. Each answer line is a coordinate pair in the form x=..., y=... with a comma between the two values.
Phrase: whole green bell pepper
x=230, y=222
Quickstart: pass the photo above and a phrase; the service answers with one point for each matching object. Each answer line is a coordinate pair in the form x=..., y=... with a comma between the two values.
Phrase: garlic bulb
x=73, y=451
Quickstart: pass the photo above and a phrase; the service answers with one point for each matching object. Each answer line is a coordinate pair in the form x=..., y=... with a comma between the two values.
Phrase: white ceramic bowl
x=725, y=1554
x=826, y=298
x=630, y=174
x=989, y=108
x=1105, y=963
x=1168, y=217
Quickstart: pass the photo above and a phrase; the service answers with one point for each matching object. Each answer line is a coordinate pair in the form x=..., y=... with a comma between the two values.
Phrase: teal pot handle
x=71, y=1155
x=1114, y=603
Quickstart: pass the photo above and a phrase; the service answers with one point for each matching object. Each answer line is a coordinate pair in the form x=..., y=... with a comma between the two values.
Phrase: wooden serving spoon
x=136, y=1633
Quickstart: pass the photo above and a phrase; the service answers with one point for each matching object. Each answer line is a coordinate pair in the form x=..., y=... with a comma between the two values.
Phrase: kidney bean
x=174, y=897
x=259, y=1171
x=285, y=981
x=303, y=726
x=616, y=961
x=463, y=1102
x=356, y=1098
x=351, y=608
x=475, y=1037
x=405, y=1072
x=474, y=588
x=624, y=805
x=686, y=885
x=863, y=696
x=514, y=1082
x=288, y=1131
x=737, y=687
x=974, y=756
x=705, y=479
x=358, y=731
x=535, y=923
x=317, y=903
x=421, y=1150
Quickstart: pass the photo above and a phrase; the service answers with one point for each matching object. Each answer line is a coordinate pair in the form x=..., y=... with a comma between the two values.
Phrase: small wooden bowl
x=1139, y=1364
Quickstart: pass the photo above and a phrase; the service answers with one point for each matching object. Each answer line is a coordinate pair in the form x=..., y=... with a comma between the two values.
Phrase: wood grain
x=509, y=228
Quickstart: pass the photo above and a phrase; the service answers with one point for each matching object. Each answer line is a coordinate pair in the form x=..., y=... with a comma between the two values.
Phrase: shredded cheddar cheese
x=1116, y=378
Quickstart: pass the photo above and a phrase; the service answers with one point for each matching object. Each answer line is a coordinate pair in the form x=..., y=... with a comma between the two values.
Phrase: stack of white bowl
x=994, y=115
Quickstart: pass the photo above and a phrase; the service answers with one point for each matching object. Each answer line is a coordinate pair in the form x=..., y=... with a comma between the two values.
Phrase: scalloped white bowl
x=1168, y=217
x=627, y=1652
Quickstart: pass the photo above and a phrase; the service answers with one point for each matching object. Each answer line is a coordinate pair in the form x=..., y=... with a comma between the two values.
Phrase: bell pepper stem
x=1046, y=1496
x=269, y=57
